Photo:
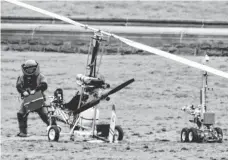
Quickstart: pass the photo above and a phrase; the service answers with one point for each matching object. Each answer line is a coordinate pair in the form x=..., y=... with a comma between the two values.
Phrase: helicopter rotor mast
x=93, y=62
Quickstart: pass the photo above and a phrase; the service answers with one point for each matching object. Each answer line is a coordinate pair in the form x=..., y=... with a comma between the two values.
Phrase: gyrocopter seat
x=71, y=105
x=58, y=94
x=86, y=117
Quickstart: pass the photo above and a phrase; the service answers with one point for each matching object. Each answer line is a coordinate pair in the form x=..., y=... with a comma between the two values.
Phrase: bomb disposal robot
x=205, y=131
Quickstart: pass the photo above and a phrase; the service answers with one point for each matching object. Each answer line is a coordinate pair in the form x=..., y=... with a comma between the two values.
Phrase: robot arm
x=189, y=109
x=192, y=110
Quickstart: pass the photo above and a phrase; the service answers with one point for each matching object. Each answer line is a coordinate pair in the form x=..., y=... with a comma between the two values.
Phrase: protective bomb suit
x=28, y=83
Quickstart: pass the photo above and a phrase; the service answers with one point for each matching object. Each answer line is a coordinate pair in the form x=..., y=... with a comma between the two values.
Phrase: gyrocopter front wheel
x=118, y=133
x=53, y=133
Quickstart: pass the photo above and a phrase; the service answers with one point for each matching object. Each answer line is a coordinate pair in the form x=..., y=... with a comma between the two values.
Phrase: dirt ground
x=149, y=110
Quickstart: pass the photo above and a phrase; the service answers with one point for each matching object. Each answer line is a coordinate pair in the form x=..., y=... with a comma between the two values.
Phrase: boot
x=22, y=125
x=23, y=132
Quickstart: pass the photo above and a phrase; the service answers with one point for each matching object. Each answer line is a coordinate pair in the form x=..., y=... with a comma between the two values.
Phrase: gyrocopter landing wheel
x=118, y=133
x=53, y=133
x=184, y=135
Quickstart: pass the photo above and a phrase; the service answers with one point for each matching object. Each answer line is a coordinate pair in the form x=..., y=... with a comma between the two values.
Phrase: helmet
x=30, y=67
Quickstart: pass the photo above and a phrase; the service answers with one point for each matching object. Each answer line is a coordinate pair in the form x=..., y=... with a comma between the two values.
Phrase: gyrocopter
x=92, y=87
x=82, y=113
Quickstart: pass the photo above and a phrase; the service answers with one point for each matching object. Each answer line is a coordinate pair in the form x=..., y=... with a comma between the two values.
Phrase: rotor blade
x=128, y=42
x=117, y=88
x=172, y=57
x=87, y=106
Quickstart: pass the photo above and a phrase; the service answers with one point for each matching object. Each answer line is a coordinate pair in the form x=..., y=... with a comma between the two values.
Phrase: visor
x=30, y=70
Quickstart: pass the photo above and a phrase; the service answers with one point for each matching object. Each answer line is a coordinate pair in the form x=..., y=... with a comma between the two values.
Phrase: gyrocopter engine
x=205, y=131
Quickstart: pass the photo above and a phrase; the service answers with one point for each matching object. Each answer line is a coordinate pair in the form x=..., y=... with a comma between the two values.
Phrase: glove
x=25, y=93
x=42, y=87
x=32, y=91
